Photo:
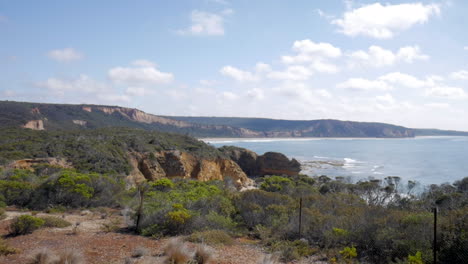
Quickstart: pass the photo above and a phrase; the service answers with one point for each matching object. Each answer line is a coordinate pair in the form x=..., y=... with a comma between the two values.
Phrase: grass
x=177, y=252
x=46, y=256
x=5, y=249
x=212, y=237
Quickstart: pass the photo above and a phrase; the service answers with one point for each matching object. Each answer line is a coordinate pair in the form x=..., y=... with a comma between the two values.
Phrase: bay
x=427, y=160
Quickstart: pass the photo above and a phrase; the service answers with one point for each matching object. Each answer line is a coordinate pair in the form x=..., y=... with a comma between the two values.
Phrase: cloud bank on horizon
x=401, y=62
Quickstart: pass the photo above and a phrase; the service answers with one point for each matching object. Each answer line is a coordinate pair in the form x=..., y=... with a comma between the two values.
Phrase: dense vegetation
x=101, y=150
x=370, y=221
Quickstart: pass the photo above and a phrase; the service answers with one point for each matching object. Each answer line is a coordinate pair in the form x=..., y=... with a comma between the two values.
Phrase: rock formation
x=177, y=164
x=270, y=163
x=35, y=125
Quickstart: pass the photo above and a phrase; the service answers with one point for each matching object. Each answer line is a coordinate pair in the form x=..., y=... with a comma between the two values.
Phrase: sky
x=399, y=62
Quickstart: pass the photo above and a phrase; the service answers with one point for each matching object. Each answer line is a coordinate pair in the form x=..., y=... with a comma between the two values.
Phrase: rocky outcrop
x=270, y=163
x=30, y=163
x=35, y=125
x=80, y=122
x=178, y=164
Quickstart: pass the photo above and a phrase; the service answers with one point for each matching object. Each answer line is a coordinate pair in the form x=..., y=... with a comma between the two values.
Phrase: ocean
x=427, y=160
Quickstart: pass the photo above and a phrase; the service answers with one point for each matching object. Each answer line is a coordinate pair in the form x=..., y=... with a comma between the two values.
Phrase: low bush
x=177, y=252
x=292, y=250
x=212, y=237
x=5, y=249
x=25, y=224
x=52, y=221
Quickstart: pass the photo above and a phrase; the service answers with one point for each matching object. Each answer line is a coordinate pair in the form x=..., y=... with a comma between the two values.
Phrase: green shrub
x=292, y=250
x=52, y=221
x=416, y=259
x=2, y=214
x=25, y=224
x=5, y=249
x=212, y=237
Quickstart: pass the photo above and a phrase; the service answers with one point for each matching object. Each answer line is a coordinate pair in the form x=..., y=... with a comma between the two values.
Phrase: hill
x=53, y=117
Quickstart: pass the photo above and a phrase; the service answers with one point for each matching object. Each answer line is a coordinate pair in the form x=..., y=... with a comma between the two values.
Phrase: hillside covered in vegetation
x=42, y=116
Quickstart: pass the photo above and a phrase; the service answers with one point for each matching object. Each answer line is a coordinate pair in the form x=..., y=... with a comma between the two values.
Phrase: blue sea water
x=427, y=160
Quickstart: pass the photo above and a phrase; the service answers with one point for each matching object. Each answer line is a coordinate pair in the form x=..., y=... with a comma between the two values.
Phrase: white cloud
x=364, y=85
x=309, y=51
x=411, y=53
x=256, y=93
x=65, y=55
x=206, y=23
x=292, y=73
x=8, y=93
x=81, y=84
x=229, y=96
x=324, y=93
x=377, y=56
x=465, y=48
x=237, y=74
x=447, y=92
x=438, y=105
x=387, y=98
x=384, y=21
x=399, y=78
x=459, y=75
x=324, y=67
x=139, y=75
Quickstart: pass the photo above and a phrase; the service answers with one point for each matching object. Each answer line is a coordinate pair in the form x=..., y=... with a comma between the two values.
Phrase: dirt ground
x=87, y=237
x=99, y=247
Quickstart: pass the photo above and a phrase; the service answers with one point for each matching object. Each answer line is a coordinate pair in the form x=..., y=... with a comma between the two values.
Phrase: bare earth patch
x=88, y=239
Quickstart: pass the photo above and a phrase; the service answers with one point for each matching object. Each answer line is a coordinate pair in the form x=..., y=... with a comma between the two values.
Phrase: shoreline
x=274, y=139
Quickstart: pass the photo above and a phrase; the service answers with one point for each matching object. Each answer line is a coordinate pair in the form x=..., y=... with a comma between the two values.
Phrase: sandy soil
x=86, y=237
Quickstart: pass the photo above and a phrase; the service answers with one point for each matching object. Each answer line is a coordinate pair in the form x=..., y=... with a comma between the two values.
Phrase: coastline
x=280, y=139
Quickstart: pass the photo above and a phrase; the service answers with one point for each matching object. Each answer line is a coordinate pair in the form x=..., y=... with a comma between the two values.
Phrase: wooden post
x=434, y=249
x=300, y=217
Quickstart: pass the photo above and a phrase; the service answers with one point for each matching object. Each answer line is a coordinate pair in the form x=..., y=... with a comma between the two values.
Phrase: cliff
x=177, y=164
x=270, y=163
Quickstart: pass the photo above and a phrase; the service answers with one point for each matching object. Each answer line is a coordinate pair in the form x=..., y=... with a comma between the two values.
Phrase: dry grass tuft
x=46, y=256
x=140, y=252
x=5, y=249
x=268, y=259
x=203, y=255
x=177, y=253
x=70, y=257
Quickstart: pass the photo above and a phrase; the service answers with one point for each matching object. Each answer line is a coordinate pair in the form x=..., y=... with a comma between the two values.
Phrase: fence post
x=434, y=247
x=300, y=217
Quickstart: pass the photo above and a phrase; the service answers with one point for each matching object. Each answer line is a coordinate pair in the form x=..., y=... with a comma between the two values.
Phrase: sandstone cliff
x=270, y=163
x=177, y=164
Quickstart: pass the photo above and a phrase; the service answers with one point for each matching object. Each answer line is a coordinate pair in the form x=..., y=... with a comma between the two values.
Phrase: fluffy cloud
x=447, y=92
x=146, y=74
x=364, y=84
x=292, y=73
x=139, y=91
x=309, y=51
x=459, y=75
x=465, y=48
x=237, y=74
x=384, y=21
x=65, y=55
x=81, y=84
x=406, y=80
x=377, y=56
x=206, y=23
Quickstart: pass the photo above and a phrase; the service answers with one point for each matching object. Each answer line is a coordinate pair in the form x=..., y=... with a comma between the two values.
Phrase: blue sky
x=400, y=62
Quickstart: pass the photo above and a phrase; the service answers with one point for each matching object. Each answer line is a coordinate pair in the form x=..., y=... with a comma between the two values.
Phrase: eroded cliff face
x=177, y=164
x=35, y=124
x=270, y=163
